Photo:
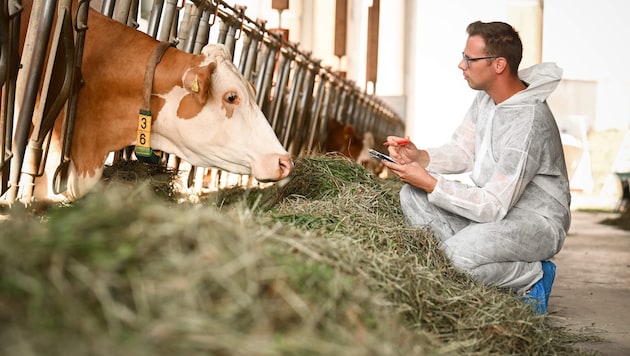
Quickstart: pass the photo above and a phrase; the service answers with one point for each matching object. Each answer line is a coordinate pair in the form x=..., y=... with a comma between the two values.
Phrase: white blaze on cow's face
x=212, y=120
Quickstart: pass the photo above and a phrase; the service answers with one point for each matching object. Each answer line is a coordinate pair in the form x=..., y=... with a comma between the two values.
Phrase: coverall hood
x=541, y=79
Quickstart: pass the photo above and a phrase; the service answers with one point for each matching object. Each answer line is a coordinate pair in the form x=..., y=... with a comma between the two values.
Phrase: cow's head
x=212, y=120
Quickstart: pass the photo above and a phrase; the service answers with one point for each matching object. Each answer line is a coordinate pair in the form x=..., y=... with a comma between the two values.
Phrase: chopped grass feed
x=325, y=264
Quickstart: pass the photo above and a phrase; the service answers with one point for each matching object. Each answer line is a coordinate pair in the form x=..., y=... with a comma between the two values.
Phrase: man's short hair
x=501, y=40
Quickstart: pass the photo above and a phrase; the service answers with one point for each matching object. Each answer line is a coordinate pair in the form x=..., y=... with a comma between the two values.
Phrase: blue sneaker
x=538, y=296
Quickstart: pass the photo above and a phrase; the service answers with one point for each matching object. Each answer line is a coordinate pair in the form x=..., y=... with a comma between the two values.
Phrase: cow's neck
x=113, y=83
x=144, y=151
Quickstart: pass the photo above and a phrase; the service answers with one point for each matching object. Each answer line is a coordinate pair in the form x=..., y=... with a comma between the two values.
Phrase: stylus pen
x=404, y=141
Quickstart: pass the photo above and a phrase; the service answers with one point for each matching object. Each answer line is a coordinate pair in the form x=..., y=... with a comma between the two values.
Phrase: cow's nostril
x=286, y=165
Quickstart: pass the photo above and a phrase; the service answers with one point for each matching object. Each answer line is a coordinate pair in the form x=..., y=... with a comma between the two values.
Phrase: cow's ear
x=197, y=81
x=348, y=132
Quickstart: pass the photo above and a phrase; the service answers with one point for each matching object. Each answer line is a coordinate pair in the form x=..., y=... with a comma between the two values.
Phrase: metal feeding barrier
x=51, y=63
x=296, y=93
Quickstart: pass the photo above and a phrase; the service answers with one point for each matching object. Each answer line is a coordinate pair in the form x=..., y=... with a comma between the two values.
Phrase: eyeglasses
x=468, y=59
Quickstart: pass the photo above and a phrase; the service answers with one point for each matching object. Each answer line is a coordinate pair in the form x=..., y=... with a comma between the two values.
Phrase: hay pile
x=323, y=265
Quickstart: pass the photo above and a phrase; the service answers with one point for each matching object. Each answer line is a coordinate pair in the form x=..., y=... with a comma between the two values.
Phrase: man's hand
x=413, y=174
x=404, y=151
x=411, y=163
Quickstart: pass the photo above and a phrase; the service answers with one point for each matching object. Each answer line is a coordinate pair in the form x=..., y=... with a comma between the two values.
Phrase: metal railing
x=295, y=92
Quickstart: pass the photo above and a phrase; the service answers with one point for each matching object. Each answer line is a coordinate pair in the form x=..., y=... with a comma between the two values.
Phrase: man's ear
x=500, y=65
x=197, y=81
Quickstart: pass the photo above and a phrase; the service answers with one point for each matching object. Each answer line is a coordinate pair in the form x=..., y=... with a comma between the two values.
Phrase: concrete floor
x=591, y=293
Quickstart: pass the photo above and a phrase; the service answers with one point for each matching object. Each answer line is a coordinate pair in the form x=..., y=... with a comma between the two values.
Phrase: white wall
x=440, y=94
x=421, y=43
x=589, y=40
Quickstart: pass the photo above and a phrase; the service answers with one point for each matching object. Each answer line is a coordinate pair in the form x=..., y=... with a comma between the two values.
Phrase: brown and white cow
x=204, y=111
x=342, y=138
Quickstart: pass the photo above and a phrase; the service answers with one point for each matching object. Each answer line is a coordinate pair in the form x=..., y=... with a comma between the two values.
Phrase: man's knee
x=410, y=202
x=411, y=198
x=459, y=257
x=405, y=193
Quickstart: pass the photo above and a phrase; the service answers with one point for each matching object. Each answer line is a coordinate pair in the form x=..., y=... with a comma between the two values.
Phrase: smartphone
x=377, y=154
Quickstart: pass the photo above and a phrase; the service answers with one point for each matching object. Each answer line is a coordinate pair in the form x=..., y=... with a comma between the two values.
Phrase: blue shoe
x=538, y=296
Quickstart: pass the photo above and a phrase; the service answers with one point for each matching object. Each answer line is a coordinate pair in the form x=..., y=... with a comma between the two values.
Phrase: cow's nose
x=286, y=165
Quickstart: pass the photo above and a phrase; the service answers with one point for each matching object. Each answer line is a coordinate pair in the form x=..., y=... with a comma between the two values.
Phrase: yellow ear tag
x=143, y=149
x=143, y=136
x=195, y=84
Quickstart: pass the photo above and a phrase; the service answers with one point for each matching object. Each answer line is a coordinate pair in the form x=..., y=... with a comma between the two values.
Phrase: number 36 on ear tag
x=143, y=138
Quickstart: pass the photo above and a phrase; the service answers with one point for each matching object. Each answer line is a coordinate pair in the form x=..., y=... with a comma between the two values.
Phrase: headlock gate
x=296, y=93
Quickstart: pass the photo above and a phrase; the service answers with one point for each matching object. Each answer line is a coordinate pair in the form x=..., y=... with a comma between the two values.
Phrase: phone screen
x=377, y=154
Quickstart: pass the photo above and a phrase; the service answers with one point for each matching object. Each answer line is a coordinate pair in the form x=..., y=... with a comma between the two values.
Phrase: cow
x=204, y=111
x=342, y=138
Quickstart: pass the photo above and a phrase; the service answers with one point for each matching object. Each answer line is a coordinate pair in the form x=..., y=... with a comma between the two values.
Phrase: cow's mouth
x=272, y=168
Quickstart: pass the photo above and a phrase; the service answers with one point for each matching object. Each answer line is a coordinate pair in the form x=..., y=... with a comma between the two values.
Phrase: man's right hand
x=404, y=151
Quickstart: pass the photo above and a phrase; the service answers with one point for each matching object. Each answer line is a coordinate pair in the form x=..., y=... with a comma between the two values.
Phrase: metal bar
x=286, y=59
x=167, y=21
x=265, y=79
x=315, y=129
x=223, y=30
x=184, y=27
x=350, y=110
x=81, y=25
x=293, y=99
x=262, y=58
x=107, y=7
x=244, y=53
x=329, y=100
x=43, y=29
x=203, y=36
x=4, y=42
x=154, y=18
x=121, y=11
x=250, y=63
x=132, y=20
x=193, y=28
x=54, y=94
x=230, y=38
x=340, y=104
x=9, y=70
x=303, y=117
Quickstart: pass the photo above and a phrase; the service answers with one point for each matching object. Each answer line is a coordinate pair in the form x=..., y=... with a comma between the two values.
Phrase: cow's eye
x=231, y=97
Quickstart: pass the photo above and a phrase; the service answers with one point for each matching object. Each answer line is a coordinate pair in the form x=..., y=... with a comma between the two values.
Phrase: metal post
x=279, y=98
x=296, y=85
x=183, y=27
x=167, y=21
x=23, y=127
x=193, y=28
x=203, y=36
x=9, y=62
x=154, y=18
x=132, y=20
x=61, y=174
x=303, y=117
x=246, y=42
x=315, y=130
x=55, y=90
x=121, y=11
x=265, y=77
x=107, y=7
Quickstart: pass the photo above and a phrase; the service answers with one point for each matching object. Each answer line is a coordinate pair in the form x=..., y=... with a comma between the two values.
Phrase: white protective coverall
x=517, y=212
